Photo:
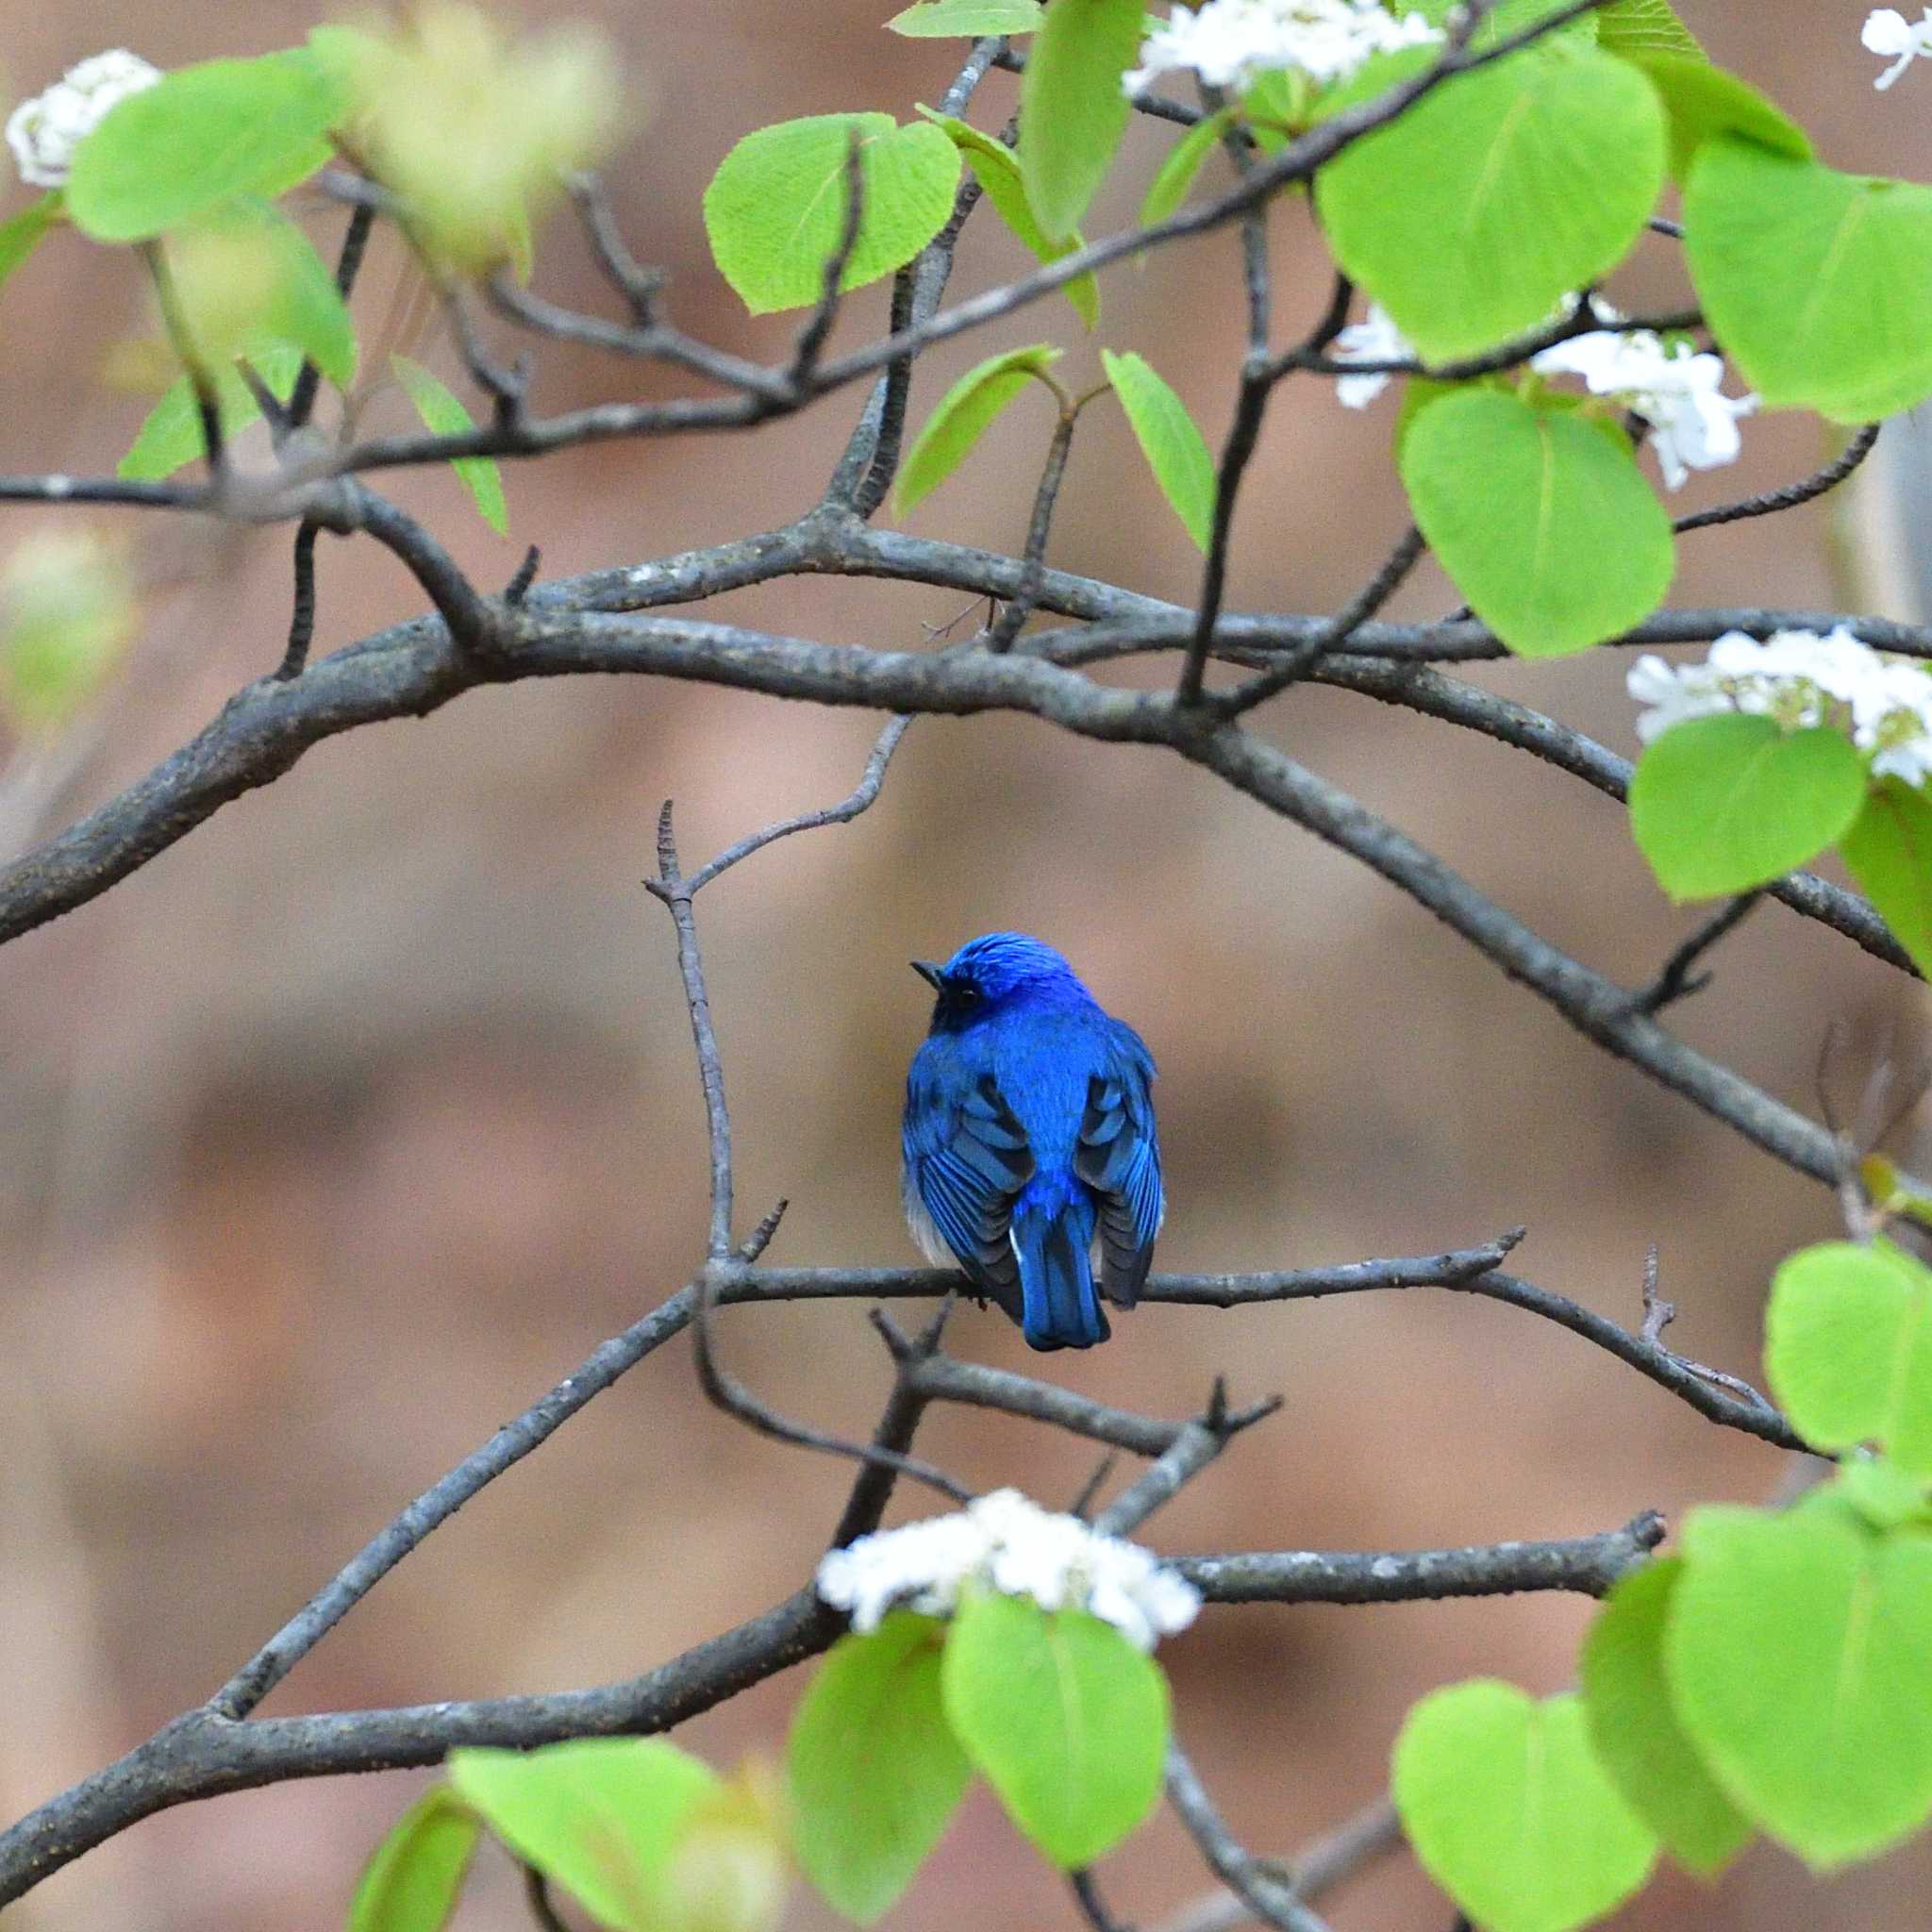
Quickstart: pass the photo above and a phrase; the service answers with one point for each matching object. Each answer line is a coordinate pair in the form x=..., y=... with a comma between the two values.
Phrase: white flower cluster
x=1678, y=391
x=1228, y=42
x=1005, y=1542
x=1889, y=34
x=44, y=131
x=1800, y=680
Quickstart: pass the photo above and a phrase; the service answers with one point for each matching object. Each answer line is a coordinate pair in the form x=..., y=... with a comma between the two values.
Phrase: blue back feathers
x=1028, y=1136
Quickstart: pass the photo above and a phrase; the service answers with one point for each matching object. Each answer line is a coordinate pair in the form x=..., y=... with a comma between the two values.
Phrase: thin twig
x=1019, y=607
x=1267, y=1893
x=1093, y=1907
x=670, y=888
x=1674, y=980
x=1296, y=664
x=726, y=1393
x=200, y=379
x=537, y=1896
x=519, y=586
x=302, y=609
x=818, y=328
x=348, y=266
x=1770, y=502
x=848, y=808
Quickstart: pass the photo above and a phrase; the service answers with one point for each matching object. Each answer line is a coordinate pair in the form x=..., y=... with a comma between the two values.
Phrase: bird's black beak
x=932, y=972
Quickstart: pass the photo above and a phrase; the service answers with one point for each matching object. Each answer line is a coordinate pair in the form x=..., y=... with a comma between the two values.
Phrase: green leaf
x=1704, y=101
x=1540, y=516
x=20, y=236
x=268, y=282
x=965, y=413
x=411, y=1881
x=996, y=168
x=1848, y=1348
x=1727, y=803
x=932, y=19
x=171, y=435
x=1799, y=1651
x=775, y=208
x=1064, y=1717
x=1509, y=1812
x=1889, y=851
x=1816, y=283
x=875, y=1775
x=1887, y=1496
x=602, y=1816
x=1471, y=216
x=199, y=136
x=1645, y=27
x=1175, y=450
x=443, y=414
x=1636, y=1731
x=1185, y=161
x=1073, y=109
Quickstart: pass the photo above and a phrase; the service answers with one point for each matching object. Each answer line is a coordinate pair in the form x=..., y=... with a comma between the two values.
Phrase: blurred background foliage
x=340, y=1131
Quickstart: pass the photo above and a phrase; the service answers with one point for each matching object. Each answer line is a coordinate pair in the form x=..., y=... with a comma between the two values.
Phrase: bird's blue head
x=988, y=973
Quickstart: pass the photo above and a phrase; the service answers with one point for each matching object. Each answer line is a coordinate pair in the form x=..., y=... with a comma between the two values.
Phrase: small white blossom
x=1889, y=34
x=44, y=131
x=1005, y=1542
x=1377, y=340
x=1801, y=680
x=1228, y=42
x=1676, y=389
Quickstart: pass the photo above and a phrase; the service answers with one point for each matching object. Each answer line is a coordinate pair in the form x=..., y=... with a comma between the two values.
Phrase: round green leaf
x=1540, y=516
x=412, y=1880
x=1073, y=109
x=199, y=136
x=1509, y=1812
x=1848, y=1348
x=1889, y=851
x=964, y=414
x=1727, y=803
x=1636, y=1731
x=1471, y=216
x=602, y=1816
x=1066, y=1719
x=1799, y=1652
x=1175, y=448
x=775, y=208
x=996, y=168
x=875, y=1775
x=1816, y=283
x=1704, y=101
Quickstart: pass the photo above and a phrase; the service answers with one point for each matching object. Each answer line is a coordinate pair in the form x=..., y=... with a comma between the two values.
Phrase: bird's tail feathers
x=1052, y=1242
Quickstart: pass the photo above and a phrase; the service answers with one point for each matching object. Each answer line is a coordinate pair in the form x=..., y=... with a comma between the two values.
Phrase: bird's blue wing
x=966, y=1159
x=1119, y=1158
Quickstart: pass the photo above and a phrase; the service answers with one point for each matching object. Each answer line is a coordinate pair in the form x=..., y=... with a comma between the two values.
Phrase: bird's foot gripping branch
x=1478, y=173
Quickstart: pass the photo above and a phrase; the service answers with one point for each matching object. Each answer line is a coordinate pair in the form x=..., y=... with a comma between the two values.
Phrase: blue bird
x=1029, y=1133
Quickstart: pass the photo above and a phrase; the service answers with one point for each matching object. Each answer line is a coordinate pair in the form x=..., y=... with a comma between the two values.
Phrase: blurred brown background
x=336, y=1135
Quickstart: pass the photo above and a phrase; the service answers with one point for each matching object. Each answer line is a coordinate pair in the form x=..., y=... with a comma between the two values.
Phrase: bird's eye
x=967, y=996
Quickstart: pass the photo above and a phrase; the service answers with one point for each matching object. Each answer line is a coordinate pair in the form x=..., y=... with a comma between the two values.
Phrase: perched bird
x=1029, y=1132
